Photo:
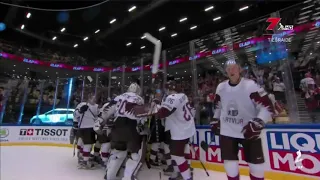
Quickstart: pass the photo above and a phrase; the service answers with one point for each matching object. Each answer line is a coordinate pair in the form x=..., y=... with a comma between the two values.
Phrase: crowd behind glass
x=50, y=95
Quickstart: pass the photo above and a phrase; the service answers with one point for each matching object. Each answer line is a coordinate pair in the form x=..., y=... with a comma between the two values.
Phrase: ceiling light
x=76, y=45
x=28, y=15
x=63, y=29
x=97, y=31
x=208, y=8
x=54, y=38
x=46, y=71
x=14, y=65
x=132, y=8
x=142, y=47
x=163, y=28
x=128, y=44
x=173, y=35
x=183, y=19
x=86, y=38
x=244, y=8
x=112, y=21
x=217, y=18
x=193, y=27
x=318, y=42
x=143, y=37
x=22, y=26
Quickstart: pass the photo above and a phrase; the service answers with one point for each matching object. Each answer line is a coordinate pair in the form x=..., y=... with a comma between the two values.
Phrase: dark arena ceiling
x=113, y=29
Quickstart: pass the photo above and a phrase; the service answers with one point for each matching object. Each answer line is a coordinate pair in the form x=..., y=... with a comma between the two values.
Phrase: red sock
x=233, y=178
x=255, y=178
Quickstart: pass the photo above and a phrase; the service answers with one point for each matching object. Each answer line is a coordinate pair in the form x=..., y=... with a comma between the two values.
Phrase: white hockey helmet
x=134, y=88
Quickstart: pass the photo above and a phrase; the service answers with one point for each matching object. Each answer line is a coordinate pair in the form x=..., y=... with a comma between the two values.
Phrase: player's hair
x=88, y=96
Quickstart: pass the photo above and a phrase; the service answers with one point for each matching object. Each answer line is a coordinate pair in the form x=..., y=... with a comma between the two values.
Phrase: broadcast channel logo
x=283, y=30
x=4, y=133
x=276, y=21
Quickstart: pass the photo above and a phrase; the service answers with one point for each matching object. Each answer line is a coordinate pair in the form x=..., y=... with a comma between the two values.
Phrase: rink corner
x=245, y=171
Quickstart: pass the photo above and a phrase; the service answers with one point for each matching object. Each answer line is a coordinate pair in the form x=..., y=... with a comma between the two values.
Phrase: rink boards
x=291, y=151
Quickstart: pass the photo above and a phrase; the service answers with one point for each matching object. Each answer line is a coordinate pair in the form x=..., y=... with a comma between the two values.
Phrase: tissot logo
x=43, y=132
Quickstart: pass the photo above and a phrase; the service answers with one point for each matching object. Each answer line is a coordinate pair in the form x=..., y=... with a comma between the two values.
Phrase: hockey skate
x=98, y=160
x=168, y=171
x=86, y=165
x=179, y=176
x=80, y=161
x=153, y=163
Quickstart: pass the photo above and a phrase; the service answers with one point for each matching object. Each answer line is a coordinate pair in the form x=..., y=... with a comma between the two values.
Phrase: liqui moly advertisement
x=296, y=151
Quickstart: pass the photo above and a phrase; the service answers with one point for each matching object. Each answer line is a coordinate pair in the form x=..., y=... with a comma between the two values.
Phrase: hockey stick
x=204, y=145
x=155, y=66
x=194, y=151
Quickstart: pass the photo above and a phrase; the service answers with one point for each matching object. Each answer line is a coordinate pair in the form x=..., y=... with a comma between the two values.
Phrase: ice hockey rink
x=57, y=163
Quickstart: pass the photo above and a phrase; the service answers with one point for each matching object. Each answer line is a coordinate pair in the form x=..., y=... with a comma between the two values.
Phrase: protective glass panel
x=13, y=91
x=179, y=67
x=59, y=100
x=33, y=101
x=115, y=84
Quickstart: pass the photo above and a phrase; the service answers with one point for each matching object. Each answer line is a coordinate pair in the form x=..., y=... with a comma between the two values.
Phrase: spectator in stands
x=317, y=79
x=309, y=93
x=279, y=89
x=307, y=84
x=1, y=98
x=260, y=81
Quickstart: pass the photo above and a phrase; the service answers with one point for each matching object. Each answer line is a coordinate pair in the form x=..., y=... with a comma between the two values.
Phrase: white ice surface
x=57, y=163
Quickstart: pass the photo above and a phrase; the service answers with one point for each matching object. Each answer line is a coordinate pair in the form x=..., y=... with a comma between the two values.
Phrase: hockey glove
x=142, y=130
x=252, y=130
x=97, y=126
x=215, y=126
x=83, y=109
x=156, y=101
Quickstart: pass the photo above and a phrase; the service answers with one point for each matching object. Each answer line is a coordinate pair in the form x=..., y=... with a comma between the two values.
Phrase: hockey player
x=86, y=114
x=103, y=136
x=242, y=108
x=156, y=130
x=125, y=135
x=157, y=133
x=77, y=116
x=180, y=122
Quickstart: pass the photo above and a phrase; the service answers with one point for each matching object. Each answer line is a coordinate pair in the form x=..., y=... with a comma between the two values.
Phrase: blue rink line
x=269, y=126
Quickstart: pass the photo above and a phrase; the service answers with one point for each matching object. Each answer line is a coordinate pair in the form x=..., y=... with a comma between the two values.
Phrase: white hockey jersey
x=181, y=121
x=125, y=104
x=87, y=119
x=236, y=105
